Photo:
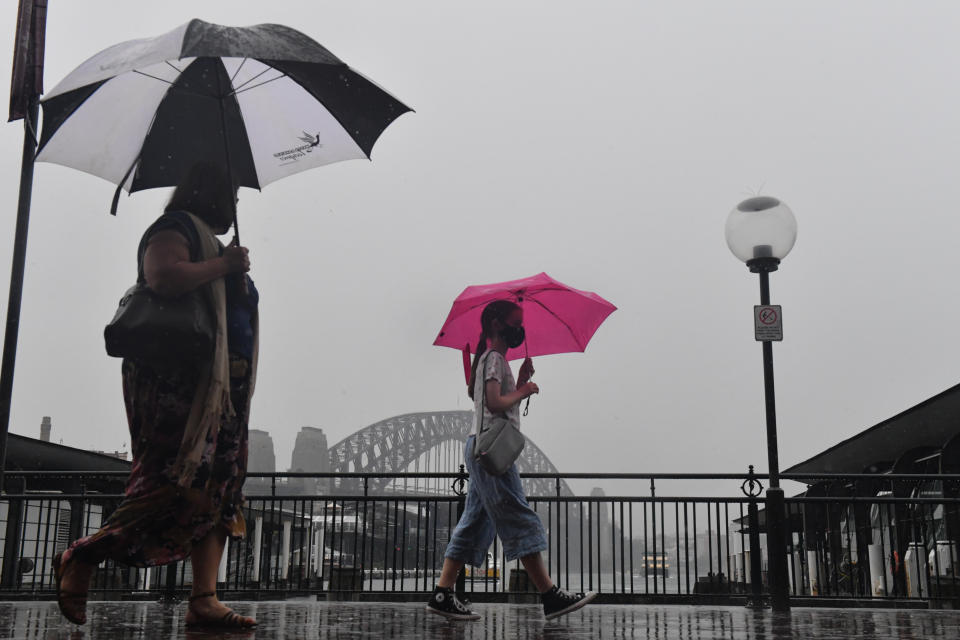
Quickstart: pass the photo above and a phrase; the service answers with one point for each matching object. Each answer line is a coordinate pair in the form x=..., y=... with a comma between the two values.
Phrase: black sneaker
x=444, y=602
x=558, y=602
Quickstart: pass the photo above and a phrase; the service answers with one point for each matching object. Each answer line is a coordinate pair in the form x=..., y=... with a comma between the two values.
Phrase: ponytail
x=481, y=348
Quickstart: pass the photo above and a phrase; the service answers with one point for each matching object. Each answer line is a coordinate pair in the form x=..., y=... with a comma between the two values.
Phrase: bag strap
x=483, y=393
x=483, y=387
x=180, y=221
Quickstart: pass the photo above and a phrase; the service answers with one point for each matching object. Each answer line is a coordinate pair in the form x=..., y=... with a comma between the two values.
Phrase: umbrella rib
x=535, y=290
x=237, y=72
x=515, y=292
x=154, y=77
x=469, y=309
x=251, y=79
x=559, y=319
x=173, y=66
x=239, y=91
x=173, y=85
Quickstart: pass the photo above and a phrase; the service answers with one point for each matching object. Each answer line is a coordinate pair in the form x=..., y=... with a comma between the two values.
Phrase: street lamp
x=761, y=232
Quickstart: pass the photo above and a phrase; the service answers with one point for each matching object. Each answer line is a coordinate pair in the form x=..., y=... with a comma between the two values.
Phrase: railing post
x=560, y=537
x=11, y=546
x=170, y=588
x=76, y=510
x=752, y=488
x=457, y=487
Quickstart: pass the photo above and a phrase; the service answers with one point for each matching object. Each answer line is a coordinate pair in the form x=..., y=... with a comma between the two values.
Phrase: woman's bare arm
x=498, y=403
x=169, y=271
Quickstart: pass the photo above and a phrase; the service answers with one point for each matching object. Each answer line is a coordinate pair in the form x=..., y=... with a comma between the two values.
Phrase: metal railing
x=884, y=538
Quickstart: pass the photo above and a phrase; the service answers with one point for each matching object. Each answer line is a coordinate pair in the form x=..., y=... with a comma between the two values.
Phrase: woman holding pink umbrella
x=496, y=504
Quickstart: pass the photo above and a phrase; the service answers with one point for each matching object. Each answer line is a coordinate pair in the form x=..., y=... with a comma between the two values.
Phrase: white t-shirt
x=493, y=366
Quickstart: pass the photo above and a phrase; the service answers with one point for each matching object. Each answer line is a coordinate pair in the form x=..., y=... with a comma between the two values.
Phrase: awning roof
x=30, y=454
x=931, y=423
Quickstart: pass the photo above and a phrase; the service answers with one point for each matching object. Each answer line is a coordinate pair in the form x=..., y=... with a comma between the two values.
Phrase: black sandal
x=66, y=598
x=230, y=620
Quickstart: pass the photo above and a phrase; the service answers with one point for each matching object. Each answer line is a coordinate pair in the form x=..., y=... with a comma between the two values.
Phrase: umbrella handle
x=244, y=287
x=526, y=407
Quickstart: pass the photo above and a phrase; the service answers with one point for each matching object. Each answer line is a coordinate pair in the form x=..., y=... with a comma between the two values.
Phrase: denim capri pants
x=496, y=506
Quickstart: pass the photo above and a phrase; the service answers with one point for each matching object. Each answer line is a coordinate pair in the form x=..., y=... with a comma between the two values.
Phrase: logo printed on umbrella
x=292, y=155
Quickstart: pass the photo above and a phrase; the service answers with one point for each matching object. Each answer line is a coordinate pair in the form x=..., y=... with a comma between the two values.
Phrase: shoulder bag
x=498, y=443
x=151, y=327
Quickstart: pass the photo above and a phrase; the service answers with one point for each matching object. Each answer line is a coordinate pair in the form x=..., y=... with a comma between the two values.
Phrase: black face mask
x=513, y=336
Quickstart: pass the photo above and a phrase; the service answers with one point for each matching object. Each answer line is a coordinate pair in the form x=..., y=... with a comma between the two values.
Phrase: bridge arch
x=396, y=444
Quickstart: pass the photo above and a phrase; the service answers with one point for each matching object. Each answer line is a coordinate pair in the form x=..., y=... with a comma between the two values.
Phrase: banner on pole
x=27, y=79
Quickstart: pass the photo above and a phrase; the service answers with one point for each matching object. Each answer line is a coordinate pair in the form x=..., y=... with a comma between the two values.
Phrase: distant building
x=261, y=459
x=310, y=455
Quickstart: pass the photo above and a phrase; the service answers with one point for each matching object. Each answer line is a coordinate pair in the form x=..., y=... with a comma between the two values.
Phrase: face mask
x=513, y=336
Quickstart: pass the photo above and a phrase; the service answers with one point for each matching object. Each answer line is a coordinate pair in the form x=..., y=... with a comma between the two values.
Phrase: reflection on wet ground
x=359, y=621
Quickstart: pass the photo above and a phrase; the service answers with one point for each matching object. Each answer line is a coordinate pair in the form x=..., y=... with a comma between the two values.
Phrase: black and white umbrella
x=266, y=101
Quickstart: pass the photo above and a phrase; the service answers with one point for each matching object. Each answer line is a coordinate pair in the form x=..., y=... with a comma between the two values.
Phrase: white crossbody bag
x=498, y=443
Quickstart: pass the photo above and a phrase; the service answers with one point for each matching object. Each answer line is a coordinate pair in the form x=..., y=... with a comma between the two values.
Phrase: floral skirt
x=158, y=522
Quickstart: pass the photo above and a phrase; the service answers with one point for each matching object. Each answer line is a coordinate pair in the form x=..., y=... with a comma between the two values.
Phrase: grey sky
x=601, y=142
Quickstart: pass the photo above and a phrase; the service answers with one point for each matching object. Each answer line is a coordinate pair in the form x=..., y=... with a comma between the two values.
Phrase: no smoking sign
x=768, y=323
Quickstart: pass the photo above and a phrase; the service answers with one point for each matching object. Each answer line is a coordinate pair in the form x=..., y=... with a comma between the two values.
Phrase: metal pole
x=773, y=460
x=16, y=277
x=776, y=517
x=226, y=154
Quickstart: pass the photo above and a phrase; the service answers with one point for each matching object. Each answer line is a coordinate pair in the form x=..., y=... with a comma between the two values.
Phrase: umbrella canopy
x=558, y=318
x=265, y=100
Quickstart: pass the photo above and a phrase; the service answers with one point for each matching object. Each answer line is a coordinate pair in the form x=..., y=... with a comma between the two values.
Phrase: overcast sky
x=601, y=142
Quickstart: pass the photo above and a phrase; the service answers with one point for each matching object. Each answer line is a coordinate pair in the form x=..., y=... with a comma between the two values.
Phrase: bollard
x=777, y=550
x=520, y=582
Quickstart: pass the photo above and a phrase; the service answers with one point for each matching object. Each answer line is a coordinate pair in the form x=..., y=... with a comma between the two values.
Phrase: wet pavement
x=359, y=621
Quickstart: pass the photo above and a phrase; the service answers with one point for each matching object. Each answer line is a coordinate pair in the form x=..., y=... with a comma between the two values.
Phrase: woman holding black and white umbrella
x=188, y=420
x=255, y=104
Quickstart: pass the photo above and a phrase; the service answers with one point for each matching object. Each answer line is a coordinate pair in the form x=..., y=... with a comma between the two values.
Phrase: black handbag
x=148, y=326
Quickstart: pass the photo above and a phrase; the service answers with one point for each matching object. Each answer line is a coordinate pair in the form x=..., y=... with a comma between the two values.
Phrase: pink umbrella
x=558, y=318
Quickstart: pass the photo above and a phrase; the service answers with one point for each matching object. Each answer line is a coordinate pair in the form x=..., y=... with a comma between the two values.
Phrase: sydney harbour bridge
x=426, y=443
x=362, y=520
x=425, y=449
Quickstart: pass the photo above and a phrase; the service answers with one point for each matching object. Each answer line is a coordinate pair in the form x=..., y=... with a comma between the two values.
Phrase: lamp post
x=761, y=232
